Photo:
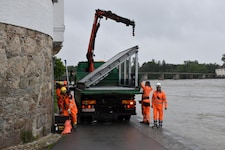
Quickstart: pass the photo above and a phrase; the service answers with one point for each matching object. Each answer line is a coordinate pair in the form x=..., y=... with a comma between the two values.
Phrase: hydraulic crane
x=98, y=16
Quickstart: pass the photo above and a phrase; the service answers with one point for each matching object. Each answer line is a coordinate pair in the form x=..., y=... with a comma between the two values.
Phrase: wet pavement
x=121, y=135
x=107, y=136
x=165, y=137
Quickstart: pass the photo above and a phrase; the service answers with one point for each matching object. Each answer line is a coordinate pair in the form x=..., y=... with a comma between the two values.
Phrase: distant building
x=220, y=72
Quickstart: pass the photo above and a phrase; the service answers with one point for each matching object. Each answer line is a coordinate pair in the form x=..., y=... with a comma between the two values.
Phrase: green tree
x=59, y=68
x=212, y=67
x=188, y=66
x=223, y=58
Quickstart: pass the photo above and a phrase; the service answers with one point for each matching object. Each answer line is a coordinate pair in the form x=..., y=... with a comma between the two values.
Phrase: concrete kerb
x=40, y=144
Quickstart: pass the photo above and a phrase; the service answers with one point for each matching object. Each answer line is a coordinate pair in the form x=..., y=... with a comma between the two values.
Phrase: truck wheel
x=89, y=119
x=85, y=119
x=127, y=118
x=82, y=119
x=120, y=118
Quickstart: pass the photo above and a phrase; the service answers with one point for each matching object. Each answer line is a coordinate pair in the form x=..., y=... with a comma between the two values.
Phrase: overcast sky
x=170, y=30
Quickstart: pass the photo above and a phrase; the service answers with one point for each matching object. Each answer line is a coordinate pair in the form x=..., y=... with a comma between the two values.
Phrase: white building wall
x=59, y=27
x=220, y=72
x=32, y=14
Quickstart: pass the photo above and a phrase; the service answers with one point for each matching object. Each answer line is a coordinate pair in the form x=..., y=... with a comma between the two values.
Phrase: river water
x=196, y=110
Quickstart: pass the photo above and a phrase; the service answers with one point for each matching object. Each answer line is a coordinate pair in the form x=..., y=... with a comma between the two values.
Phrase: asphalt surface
x=124, y=135
x=107, y=136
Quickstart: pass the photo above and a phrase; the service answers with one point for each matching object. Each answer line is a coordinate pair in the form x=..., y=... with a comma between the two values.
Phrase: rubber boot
x=160, y=123
x=155, y=124
x=74, y=125
x=142, y=122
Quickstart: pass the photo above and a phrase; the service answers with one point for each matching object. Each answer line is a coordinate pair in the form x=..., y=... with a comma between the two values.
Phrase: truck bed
x=110, y=90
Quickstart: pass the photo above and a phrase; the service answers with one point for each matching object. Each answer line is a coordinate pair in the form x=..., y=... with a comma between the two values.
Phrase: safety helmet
x=60, y=82
x=158, y=84
x=63, y=90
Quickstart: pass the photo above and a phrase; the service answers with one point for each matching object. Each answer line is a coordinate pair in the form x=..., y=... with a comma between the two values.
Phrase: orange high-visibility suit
x=70, y=108
x=145, y=103
x=59, y=99
x=59, y=96
x=158, y=101
x=60, y=102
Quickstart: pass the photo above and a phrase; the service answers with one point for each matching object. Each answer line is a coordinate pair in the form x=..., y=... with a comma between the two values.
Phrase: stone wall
x=26, y=84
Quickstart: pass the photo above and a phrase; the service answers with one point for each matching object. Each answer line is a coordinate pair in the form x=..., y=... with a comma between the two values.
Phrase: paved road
x=108, y=136
x=123, y=136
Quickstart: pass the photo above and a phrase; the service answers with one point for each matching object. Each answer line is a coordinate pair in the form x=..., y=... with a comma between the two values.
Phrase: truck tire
x=85, y=119
x=127, y=118
x=82, y=119
x=89, y=119
x=120, y=118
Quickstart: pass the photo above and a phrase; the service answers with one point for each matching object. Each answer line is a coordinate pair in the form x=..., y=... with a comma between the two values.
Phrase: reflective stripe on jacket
x=159, y=98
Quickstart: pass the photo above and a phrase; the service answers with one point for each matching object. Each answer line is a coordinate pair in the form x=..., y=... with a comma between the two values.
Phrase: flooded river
x=196, y=111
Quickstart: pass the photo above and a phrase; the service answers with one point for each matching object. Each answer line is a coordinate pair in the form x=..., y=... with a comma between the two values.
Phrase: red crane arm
x=96, y=24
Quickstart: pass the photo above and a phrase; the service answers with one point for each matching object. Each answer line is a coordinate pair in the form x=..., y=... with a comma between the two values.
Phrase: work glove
x=69, y=111
x=165, y=108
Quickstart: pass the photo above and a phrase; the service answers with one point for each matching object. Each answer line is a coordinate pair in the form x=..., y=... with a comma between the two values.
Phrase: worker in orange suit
x=145, y=102
x=59, y=96
x=159, y=103
x=70, y=108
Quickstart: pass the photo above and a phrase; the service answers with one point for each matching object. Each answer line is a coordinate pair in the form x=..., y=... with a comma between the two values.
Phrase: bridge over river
x=175, y=75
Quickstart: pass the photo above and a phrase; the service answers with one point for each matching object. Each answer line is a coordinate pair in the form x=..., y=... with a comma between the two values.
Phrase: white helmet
x=158, y=84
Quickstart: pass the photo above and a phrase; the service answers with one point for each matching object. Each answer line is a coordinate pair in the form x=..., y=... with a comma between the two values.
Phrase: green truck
x=109, y=91
x=106, y=90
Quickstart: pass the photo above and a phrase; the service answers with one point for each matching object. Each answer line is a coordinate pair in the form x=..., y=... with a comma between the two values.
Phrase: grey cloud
x=174, y=31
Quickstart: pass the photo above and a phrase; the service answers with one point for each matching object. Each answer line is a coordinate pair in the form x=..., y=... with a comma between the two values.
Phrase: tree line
x=186, y=67
x=150, y=66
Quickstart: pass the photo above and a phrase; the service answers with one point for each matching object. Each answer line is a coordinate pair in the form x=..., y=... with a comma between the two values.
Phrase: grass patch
x=27, y=136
